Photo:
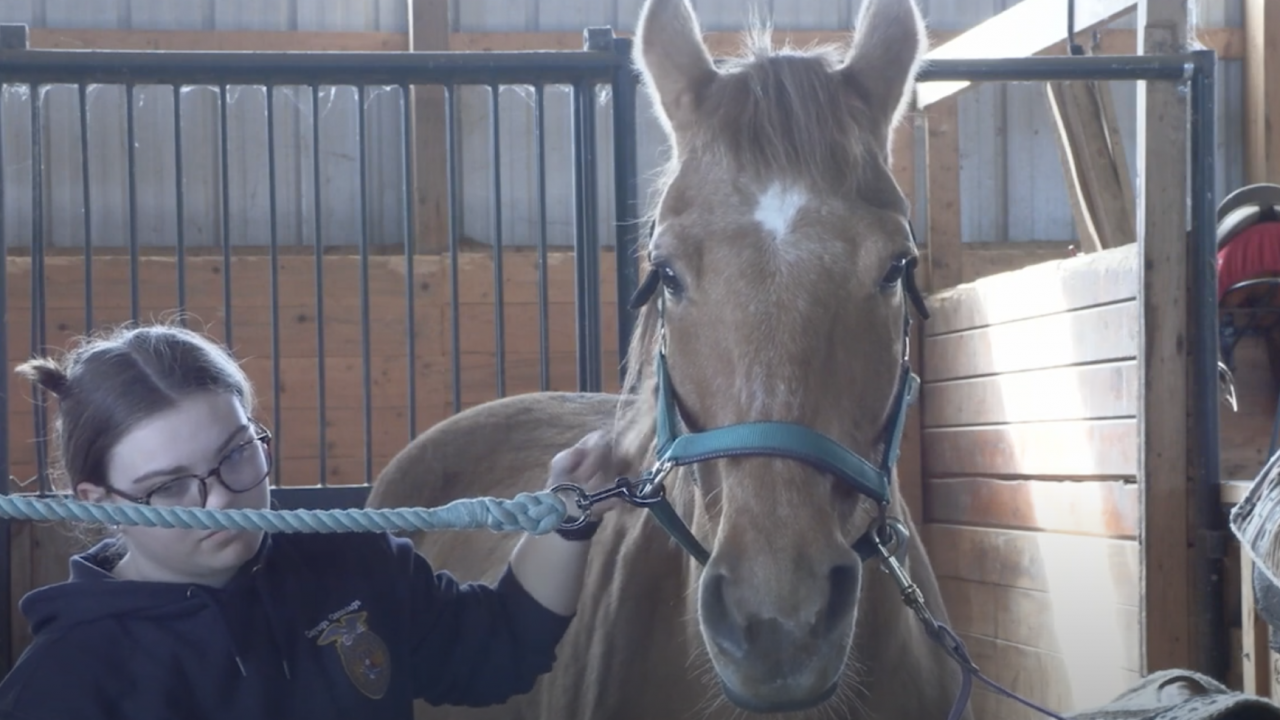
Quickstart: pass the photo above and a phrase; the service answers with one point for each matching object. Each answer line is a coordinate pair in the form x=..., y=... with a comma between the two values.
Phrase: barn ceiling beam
x=1026, y=29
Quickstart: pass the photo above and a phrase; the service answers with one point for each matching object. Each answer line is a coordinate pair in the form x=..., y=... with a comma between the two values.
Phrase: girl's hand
x=590, y=465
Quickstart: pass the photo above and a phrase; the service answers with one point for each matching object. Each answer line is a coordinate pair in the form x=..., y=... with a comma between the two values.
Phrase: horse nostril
x=718, y=620
x=845, y=581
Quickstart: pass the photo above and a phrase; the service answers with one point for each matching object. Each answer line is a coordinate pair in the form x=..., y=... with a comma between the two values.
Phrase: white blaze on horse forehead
x=777, y=208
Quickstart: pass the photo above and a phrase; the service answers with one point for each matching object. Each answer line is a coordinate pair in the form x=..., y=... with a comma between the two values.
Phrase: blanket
x=1182, y=695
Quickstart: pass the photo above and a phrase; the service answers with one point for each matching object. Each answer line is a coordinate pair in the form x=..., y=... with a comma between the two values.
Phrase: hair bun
x=47, y=373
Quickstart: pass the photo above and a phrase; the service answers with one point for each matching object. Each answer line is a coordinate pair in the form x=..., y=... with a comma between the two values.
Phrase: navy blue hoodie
x=313, y=626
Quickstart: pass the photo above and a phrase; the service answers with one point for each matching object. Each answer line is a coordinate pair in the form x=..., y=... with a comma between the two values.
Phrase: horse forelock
x=785, y=115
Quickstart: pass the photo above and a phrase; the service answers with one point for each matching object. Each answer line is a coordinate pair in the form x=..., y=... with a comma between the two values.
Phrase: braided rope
x=536, y=513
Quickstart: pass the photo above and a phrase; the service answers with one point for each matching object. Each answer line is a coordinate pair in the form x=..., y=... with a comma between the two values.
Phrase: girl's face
x=202, y=432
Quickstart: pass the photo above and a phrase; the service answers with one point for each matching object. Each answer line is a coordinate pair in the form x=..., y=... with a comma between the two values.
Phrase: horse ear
x=675, y=63
x=888, y=46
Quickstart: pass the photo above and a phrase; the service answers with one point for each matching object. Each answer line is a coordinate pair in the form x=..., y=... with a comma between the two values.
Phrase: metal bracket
x=598, y=39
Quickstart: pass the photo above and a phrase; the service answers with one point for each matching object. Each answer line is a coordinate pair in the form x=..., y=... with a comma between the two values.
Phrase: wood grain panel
x=1051, y=449
x=1074, y=565
x=1105, y=508
x=1099, y=334
x=1089, y=392
x=1048, y=288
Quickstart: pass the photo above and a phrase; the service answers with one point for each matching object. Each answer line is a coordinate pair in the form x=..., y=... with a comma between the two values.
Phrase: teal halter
x=675, y=448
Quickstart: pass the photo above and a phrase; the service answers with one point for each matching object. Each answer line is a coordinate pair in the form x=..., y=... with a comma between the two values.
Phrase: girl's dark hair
x=108, y=383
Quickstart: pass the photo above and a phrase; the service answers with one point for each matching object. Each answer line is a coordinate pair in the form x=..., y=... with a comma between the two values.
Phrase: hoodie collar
x=93, y=593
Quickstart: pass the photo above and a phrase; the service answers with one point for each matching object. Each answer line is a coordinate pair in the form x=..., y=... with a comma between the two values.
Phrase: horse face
x=780, y=241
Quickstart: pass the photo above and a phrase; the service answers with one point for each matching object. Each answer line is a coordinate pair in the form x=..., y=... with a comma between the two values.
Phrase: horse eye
x=896, y=272
x=669, y=279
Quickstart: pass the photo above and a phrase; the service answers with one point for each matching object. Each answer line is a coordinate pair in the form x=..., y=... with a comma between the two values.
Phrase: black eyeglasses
x=242, y=469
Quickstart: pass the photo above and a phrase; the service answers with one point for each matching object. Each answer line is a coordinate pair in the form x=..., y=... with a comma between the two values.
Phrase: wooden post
x=1164, y=471
x=429, y=32
x=1261, y=96
x=942, y=178
x=14, y=37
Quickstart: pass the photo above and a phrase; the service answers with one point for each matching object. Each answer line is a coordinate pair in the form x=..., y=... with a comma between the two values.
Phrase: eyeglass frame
x=262, y=436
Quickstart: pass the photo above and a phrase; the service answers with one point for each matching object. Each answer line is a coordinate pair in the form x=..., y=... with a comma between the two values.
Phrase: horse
x=767, y=386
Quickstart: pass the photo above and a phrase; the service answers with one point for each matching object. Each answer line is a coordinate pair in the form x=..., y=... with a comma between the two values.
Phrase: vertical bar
x=180, y=195
x=1211, y=542
x=366, y=378
x=6, y=588
x=38, y=278
x=451, y=167
x=408, y=197
x=585, y=241
x=277, y=464
x=225, y=162
x=626, y=191
x=134, y=303
x=499, y=342
x=84, y=192
x=544, y=339
x=319, y=265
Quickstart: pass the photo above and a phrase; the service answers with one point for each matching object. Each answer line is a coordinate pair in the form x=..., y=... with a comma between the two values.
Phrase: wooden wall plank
x=1076, y=566
x=1228, y=42
x=1052, y=449
x=1047, y=288
x=1165, y=426
x=1101, y=334
x=429, y=32
x=1261, y=94
x=1106, y=508
x=942, y=180
x=1077, y=392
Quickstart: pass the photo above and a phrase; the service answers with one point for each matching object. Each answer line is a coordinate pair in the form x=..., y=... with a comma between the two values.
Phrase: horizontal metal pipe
x=1062, y=67
x=302, y=68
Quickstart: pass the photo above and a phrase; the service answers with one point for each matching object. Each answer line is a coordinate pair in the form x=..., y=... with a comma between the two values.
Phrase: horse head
x=770, y=354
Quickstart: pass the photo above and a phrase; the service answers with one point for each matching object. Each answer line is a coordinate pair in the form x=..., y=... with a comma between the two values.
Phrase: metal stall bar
x=495, y=180
x=626, y=177
x=319, y=268
x=277, y=464
x=1210, y=533
x=544, y=337
x=409, y=198
x=366, y=376
x=11, y=37
x=127, y=67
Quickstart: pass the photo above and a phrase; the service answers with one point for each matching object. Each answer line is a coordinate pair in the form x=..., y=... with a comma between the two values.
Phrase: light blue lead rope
x=535, y=513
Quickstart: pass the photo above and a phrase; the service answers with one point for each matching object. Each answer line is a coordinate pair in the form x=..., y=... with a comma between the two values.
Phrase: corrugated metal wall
x=1012, y=182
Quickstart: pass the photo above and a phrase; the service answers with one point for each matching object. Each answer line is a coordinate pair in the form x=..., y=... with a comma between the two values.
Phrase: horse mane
x=773, y=114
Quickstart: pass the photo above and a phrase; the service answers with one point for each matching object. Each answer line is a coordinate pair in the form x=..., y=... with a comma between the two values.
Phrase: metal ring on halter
x=581, y=499
x=652, y=486
x=892, y=536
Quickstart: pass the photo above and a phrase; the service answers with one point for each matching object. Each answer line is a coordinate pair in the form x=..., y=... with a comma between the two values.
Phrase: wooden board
x=1076, y=392
x=1167, y=431
x=1087, y=448
x=1106, y=333
x=1084, y=569
x=1245, y=434
x=1046, y=288
x=1228, y=42
x=1049, y=616
x=1105, y=508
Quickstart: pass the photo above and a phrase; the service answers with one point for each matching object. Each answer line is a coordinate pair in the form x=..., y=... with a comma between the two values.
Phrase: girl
x=166, y=623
